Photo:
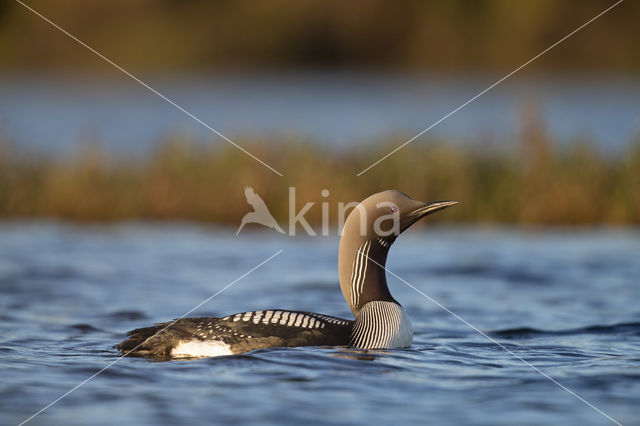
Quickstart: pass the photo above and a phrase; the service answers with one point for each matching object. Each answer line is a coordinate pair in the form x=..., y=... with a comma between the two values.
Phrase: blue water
x=564, y=300
x=57, y=114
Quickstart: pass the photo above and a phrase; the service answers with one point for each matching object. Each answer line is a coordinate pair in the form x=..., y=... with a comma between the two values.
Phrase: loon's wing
x=234, y=334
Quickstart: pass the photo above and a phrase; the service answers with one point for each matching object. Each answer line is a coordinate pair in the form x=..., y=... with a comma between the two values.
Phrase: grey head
x=369, y=231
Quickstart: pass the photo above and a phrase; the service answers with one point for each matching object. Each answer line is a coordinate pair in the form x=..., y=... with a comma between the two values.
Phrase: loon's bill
x=380, y=321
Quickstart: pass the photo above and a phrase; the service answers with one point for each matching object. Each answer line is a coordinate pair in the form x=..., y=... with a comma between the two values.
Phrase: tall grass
x=532, y=184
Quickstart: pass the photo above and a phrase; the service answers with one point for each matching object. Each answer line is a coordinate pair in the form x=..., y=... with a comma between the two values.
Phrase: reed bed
x=533, y=183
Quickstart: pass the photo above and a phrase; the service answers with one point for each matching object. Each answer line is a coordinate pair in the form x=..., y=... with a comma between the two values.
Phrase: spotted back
x=270, y=328
x=308, y=320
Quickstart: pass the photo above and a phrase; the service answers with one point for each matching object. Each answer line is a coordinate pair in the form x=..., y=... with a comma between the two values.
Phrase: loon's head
x=369, y=231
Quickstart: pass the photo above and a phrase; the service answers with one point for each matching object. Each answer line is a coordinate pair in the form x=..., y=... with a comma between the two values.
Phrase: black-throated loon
x=380, y=321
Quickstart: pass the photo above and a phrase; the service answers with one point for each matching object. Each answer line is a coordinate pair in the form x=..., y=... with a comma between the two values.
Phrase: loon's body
x=380, y=321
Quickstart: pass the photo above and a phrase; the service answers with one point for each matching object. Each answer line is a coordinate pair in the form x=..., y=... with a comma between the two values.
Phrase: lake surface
x=343, y=110
x=564, y=300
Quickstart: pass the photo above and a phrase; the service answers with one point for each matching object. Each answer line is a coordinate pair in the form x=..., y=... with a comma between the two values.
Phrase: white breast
x=198, y=348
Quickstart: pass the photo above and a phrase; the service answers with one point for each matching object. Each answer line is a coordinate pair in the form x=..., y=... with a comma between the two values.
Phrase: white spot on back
x=292, y=318
x=267, y=317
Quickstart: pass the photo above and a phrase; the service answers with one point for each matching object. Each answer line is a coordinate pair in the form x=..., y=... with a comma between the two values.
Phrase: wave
x=628, y=328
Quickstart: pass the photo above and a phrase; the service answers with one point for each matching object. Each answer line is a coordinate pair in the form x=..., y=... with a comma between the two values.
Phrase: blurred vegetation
x=532, y=184
x=179, y=35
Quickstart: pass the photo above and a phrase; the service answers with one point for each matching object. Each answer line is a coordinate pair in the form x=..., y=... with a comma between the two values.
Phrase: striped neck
x=362, y=273
x=381, y=325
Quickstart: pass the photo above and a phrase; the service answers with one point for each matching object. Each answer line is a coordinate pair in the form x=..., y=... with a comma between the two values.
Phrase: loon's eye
x=394, y=209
